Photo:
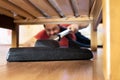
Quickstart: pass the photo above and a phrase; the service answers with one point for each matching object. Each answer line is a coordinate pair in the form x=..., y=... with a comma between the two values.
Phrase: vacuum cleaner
x=49, y=50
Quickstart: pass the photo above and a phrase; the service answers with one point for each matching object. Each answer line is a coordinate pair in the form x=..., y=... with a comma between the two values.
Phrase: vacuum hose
x=60, y=35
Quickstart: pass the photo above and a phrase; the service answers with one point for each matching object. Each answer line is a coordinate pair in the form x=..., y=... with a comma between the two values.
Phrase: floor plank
x=51, y=70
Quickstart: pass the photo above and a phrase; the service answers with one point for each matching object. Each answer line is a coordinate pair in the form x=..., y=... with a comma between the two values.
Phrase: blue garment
x=81, y=40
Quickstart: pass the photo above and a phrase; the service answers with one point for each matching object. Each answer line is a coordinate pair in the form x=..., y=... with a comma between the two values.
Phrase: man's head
x=52, y=29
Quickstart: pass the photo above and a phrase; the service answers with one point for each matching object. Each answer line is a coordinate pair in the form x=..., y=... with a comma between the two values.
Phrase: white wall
x=5, y=36
x=28, y=31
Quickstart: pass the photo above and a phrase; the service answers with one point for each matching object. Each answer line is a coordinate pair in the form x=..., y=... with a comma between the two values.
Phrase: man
x=53, y=29
x=74, y=36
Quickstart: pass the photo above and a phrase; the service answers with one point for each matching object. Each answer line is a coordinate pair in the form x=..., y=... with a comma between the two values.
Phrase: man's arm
x=76, y=27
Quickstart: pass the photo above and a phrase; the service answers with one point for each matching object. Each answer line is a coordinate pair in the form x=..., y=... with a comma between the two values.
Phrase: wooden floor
x=51, y=70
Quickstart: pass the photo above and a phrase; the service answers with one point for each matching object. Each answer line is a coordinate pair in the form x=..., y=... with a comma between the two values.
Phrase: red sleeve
x=72, y=35
x=42, y=35
x=65, y=25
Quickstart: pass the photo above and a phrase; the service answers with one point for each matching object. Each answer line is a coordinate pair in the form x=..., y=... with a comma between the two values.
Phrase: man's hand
x=75, y=27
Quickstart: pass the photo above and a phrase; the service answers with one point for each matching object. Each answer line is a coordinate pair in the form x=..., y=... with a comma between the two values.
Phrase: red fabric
x=42, y=35
x=64, y=25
